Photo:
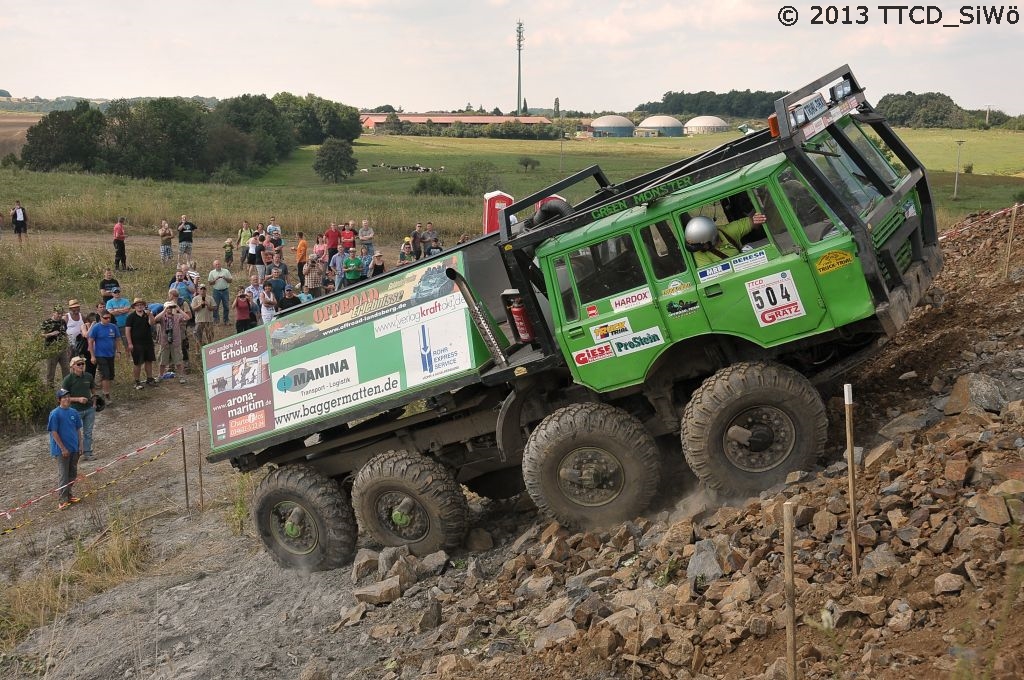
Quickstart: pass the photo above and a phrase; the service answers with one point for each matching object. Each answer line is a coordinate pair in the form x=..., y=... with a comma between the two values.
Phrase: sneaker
x=152, y=381
x=66, y=504
x=88, y=456
x=182, y=380
x=109, y=400
x=139, y=385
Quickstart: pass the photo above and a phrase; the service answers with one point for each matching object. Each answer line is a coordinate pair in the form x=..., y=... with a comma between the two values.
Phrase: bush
x=479, y=177
x=226, y=174
x=10, y=161
x=528, y=163
x=27, y=399
x=436, y=185
x=968, y=168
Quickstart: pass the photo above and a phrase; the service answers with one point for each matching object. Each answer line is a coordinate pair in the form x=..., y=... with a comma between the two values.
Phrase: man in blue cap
x=65, y=428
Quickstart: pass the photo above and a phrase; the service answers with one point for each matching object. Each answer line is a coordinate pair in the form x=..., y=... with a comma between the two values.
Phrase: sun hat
x=77, y=360
x=138, y=301
x=73, y=303
x=227, y=241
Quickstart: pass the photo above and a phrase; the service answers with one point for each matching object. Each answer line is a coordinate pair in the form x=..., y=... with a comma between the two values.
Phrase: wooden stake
x=852, y=469
x=184, y=466
x=199, y=457
x=1009, y=242
x=787, y=526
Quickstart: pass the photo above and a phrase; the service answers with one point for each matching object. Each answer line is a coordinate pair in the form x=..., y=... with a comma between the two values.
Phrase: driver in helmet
x=710, y=243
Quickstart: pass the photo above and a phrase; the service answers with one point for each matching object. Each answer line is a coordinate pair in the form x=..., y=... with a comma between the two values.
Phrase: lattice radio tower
x=519, y=50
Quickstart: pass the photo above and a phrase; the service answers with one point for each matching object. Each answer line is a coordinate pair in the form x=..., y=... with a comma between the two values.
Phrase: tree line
x=927, y=110
x=173, y=138
x=510, y=129
x=936, y=110
x=734, y=103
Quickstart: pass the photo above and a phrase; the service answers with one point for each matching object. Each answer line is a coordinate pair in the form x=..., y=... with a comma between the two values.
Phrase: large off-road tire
x=304, y=519
x=591, y=465
x=781, y=410
x=497, y=485
x=403, y=498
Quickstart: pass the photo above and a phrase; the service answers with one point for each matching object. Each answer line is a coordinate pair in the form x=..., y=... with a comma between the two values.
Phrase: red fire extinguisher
x=524, y=329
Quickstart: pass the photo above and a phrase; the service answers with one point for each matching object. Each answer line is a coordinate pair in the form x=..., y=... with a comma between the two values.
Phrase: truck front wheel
x=304, y=519
x=751, y=424
x=403, y=498
x=591, y=465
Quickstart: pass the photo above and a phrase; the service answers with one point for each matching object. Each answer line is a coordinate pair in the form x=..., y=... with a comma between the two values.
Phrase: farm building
x=612, y=126
x=702, y=125
x=371, y=121
x=659, y=126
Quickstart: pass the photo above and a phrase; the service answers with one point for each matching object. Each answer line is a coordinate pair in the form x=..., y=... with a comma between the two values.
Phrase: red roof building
x=371, y=120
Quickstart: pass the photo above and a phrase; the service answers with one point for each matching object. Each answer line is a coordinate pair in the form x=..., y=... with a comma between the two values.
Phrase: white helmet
x=701, y=233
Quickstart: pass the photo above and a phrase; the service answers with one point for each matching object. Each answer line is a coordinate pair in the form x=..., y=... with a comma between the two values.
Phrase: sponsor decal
x=833, y=260
x=604, y=331
x=714, y=271
x=593, y=354
x=676, y=287
x=247, y=424
x=315, y=378
x=682, y=308
x=775, y=298
x=419, y=314
x=435, y=348
x=591, y=311
x=749, y=260
x=638, y=341
x=632, y=299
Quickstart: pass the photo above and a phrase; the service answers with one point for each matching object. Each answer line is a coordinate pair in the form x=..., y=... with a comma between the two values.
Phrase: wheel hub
x=402, y=515
x=769, y=436
x=292, y=530
x=590, y=476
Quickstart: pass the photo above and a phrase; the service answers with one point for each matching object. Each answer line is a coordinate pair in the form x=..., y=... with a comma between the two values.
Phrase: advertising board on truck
x=335, y=354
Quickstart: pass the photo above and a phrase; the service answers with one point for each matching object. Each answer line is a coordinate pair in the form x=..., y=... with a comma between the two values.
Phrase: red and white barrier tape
x=8, y=514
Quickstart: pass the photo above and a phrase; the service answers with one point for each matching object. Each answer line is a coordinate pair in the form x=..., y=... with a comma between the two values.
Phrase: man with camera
x=171, y=330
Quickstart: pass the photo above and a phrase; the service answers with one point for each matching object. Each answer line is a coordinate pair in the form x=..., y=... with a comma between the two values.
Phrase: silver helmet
x=701, y=233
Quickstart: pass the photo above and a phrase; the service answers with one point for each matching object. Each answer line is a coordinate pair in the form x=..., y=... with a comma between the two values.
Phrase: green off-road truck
x=705, y=299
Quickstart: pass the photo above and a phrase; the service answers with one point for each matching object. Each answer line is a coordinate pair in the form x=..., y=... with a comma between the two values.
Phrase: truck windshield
x=842, y=172
x=874, y=152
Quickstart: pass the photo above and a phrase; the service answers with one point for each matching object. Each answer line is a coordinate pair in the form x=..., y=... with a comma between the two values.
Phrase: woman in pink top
x=320, y=248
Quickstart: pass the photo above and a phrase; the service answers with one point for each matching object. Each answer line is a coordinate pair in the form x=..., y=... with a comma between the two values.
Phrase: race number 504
x=775, y=299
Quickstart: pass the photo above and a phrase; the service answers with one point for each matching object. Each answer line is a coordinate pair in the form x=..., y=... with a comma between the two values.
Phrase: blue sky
x=425, y=55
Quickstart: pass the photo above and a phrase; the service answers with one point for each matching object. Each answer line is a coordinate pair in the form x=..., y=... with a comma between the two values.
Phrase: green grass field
x=293, y=193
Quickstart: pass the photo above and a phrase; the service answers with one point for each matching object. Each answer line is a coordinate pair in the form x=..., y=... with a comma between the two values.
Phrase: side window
x=774, y=223
x=816, y=223
x=732, y=216
x=663, y=250
x=569, y=305
x=607, y=268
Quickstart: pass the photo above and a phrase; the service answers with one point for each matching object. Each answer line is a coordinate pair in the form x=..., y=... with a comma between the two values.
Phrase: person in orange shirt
x=301, y=251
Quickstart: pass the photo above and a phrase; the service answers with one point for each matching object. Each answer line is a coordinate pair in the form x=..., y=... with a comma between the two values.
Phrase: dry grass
x=116, y=555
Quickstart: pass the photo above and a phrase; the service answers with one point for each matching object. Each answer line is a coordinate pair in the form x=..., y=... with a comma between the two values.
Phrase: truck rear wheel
x=751, y=424
x=591, y=465
x=304, y=519
x=403, y=498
